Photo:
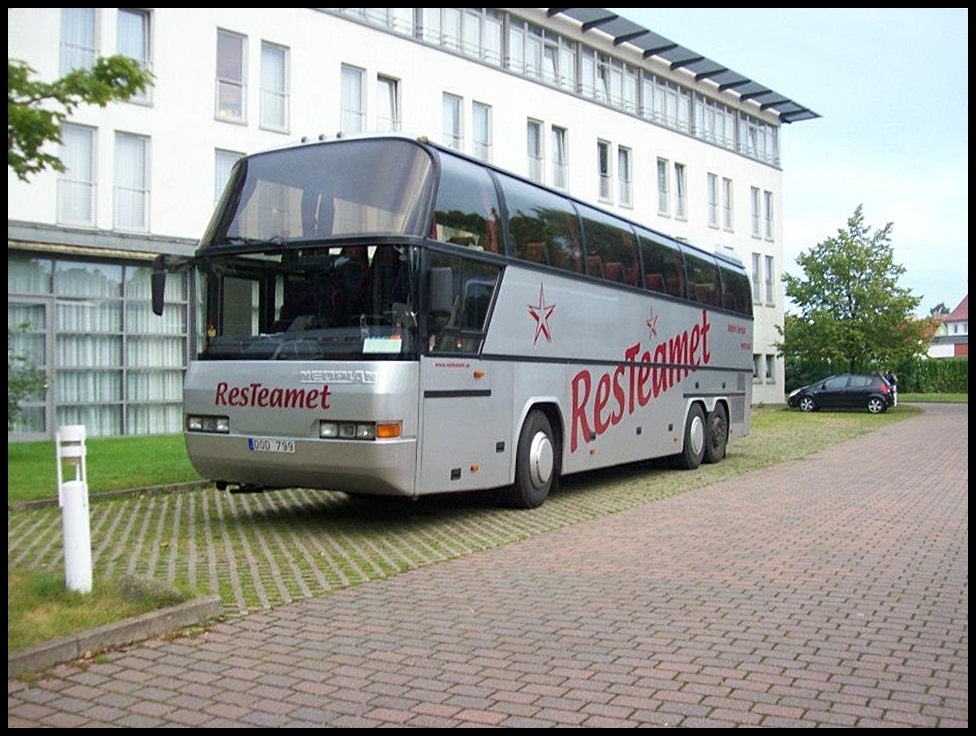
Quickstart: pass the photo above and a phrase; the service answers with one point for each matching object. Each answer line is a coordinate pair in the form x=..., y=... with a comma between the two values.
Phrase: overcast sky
x=892, y=89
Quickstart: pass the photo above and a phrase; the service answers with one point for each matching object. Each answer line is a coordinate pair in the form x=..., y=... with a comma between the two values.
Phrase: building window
x=223, y=164
x=399, y=20
x=756, y=278
x=481, y=130
x=274, y=86
x=768, y=215
x=770, y=277
x=76, y=184
x=560, y=158
x=352, y=115
x=231, y=83
x=712, y=200
x=533, y=143
x=131, y=182
x=663, y=188
x=453, y=124
x=757, y=367
x=119, y=367
x=754, y=212
x=133, y=41
x=770, y=369
x=387, y=103
x=680, y=192
x=603, y=167
x=728, y=206
x=78, y=44
x=625, y=183
x=443, y=27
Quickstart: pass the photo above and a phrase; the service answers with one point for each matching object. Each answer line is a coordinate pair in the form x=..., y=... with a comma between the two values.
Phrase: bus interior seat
x=614, y=271
x=675, y=286
x=594, y=266
x=536, y=252
x=654, y=282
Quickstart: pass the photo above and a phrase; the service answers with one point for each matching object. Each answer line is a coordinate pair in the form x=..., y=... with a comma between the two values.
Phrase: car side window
x=860, y=381
x=833, y=384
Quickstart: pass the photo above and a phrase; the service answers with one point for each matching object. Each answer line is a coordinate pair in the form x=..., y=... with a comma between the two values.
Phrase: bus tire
x=693, y=451
x=536, y=462
x=716, y=434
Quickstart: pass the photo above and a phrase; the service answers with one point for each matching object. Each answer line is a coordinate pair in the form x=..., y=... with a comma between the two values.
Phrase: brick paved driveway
x=830, y=591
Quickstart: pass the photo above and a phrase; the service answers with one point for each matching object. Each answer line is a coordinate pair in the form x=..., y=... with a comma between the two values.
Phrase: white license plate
x=270, y=444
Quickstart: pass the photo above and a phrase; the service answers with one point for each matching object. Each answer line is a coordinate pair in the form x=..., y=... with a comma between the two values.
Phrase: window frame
x=352, y=99
x=226, y=108
x=69, y=178
x=124, y=191
x=274, y=87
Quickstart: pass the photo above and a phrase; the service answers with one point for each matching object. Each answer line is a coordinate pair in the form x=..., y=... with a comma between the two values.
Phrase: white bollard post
x=73, y=499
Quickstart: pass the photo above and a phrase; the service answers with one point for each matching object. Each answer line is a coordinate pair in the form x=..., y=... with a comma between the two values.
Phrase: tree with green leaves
x=853, y=316
x=36, y=110
x=939, y=310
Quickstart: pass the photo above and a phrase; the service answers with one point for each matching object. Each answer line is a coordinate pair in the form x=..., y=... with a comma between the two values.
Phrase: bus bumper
x=384, y=467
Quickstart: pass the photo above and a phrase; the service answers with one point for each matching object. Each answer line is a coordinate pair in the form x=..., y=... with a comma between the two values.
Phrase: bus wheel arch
x=538, y=458
x=693, y=445
x=716, y=433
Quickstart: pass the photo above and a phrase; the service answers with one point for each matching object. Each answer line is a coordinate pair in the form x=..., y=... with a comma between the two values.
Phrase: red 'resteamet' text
x=260, y=396
x=630, y=387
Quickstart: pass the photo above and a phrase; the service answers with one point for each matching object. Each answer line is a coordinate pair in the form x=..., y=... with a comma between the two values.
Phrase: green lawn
x=111, y=464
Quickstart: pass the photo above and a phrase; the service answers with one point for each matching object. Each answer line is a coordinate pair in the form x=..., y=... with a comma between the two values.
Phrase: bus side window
x=536, y=252
x=594, y=266
x=654, y=282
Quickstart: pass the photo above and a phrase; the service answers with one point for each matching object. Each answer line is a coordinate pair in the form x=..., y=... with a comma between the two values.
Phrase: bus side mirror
x=162, y=264
x=158, y=291
x=158, y=284
x=441, y=285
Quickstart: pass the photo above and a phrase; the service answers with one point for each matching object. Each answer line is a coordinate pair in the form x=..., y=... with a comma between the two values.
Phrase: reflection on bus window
x=462, y=291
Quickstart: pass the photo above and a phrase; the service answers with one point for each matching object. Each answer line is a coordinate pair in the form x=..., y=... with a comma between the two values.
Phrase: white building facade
x=575, y=98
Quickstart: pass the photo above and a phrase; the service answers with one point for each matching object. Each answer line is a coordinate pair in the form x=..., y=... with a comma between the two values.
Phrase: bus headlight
x=204, y=423
x=330, y=430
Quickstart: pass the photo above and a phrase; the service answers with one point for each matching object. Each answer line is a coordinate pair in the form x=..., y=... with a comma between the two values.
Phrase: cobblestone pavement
x=829, y=591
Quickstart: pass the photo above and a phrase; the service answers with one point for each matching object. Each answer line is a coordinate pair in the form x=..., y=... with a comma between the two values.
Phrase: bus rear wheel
x=716, y=434
x=536, y=462
x=693, y=452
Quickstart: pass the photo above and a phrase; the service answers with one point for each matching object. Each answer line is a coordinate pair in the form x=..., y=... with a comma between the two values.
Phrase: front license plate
x=270, y=444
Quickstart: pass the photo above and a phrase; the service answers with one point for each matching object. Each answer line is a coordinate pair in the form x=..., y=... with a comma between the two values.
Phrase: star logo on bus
x=651, y=323
x=541, y=313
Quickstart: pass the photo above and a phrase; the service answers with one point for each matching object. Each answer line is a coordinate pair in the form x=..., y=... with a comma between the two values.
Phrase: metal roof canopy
x=680, y=57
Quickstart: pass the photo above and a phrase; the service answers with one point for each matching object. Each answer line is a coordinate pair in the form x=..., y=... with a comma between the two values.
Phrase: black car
x=870, y=391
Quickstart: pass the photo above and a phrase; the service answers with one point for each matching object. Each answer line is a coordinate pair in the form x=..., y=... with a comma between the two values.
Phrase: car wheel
x=694, y=448
x=536, y=463
x=808, y=404
x=876, y=405
x=716, y=434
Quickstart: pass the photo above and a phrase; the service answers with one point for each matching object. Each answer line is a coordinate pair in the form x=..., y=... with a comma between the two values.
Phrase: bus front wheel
x=536, y=462
x=693, y=452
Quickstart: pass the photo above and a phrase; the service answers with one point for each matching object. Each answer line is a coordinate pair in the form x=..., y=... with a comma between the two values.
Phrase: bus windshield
x=369, y=187
x=311, y=303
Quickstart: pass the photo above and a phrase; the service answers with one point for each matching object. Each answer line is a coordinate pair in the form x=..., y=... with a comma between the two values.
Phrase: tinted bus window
x=664, y=269
x=544, y=226
x=466, y=211
x=610, y=246
x=703, y=282
x=736, y=290
x=461, y=294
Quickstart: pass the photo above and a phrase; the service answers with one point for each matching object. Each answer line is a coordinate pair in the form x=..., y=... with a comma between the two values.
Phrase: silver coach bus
x=382, y=315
